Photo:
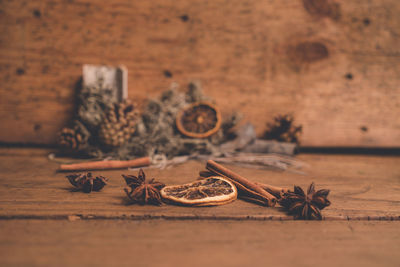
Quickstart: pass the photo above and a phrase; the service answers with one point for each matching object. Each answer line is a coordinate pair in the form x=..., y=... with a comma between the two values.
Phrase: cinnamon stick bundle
x=106, y=164
x=274, y=190
x=248, y=189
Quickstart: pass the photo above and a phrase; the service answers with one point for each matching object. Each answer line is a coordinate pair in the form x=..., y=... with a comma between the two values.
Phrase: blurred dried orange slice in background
x=199, y=120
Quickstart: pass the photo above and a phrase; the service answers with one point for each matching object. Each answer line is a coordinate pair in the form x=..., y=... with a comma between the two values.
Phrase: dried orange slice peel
x=211, y=191
x=199, y=120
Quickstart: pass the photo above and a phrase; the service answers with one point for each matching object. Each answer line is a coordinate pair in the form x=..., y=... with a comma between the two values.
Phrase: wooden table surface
x=44, y=222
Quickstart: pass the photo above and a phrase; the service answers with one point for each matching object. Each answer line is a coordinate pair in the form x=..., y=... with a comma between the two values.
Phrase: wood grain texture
x=362, y=188
x=200, y=243
x=334, y=64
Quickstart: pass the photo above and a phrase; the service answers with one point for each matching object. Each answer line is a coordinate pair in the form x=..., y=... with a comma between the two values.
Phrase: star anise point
x=305, y=206
x=87, y=182
x=142, y=191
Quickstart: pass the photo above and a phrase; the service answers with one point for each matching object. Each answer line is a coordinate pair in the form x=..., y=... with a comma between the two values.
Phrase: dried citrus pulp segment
x=211, y=191
x=199, y=120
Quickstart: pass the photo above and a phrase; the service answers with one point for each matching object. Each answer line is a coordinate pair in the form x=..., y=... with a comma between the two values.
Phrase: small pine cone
x=118, y=124
x=283, y=129
x=74, y=138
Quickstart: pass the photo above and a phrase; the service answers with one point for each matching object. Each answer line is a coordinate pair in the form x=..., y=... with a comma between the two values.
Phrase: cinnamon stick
x=250, y=189
x=245, y=193
x=252, y=199
x=106, y=164
x=206, y=174
x=274, y=190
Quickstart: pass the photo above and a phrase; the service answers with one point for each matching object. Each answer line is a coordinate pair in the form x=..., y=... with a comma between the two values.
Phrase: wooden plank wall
x=334, y=64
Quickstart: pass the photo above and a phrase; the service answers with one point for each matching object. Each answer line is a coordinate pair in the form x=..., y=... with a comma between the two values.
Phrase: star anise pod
x=87, y=182
x=141, y=191
x=305, y=206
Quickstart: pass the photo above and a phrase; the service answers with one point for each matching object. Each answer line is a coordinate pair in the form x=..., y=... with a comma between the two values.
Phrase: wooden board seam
x=143, y=217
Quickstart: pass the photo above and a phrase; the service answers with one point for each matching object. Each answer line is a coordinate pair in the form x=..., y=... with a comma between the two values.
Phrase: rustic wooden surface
x=362, y=187
x=44, y=223
x=334, y=64
x=198, y=243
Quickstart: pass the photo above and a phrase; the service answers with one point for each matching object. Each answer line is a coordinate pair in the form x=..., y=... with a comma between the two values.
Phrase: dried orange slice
x=199, y=120
x=211, y=191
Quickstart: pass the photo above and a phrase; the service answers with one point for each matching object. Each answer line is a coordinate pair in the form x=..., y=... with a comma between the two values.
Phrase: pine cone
x=118, y=124
x=283, y=129
x=74, y=138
